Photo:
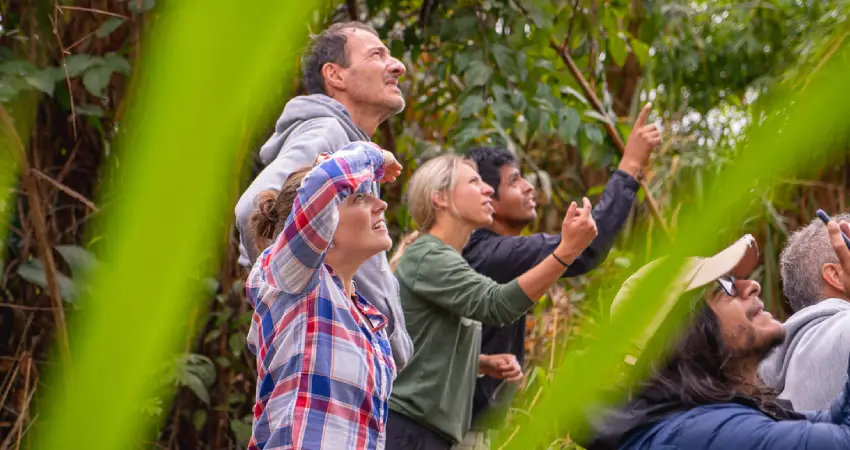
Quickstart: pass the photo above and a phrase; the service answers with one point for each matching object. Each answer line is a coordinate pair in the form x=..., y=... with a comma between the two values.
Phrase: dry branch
x=39, y=223
x=82, y=198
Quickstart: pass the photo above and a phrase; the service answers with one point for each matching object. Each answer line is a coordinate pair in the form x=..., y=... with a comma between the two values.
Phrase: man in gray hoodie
x=352, y=85
x=810, y=368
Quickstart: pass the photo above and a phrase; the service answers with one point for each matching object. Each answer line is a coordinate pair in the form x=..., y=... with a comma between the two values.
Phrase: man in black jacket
x=501, y=253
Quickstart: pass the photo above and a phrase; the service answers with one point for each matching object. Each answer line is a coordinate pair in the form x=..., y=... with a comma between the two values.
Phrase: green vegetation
x=139, y=123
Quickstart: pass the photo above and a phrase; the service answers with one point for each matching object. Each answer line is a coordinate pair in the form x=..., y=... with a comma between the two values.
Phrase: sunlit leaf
x=618, y=49
x=641, y=51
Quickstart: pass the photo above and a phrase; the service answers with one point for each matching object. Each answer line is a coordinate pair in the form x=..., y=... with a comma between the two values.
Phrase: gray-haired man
x=810, y=368
x=352, y=85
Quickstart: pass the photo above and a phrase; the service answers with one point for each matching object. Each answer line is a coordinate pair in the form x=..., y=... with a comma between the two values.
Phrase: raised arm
x=446, y=279
x=299, y=149
x=512, y=256
x=299, y=250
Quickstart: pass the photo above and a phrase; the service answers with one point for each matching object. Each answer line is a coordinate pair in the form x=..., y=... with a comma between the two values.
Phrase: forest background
x=558, y=82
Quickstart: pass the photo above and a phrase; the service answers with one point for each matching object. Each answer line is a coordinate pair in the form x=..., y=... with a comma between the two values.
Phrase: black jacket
x=504, y=258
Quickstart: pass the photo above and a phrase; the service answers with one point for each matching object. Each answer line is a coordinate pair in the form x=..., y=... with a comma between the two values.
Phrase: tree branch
x=609, y=127
x=36, y=210
x=66, y=189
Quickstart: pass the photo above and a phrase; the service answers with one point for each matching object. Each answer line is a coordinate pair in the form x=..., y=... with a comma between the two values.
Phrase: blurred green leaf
x=505, y=59
x=594, y=134
x=89, y=110
x=80, y=260
x=477, y=74
x=618, y=49
x=109, y=26
x=34, y=272
x=140, y=6
x=157, y=261
x=641, y=51
x=242, y=430
x=236, y=343
x=116, y=63
x=79, y=63
x=569, y=121
x=96, y=79
x=42, y=80
x=199, y=419
x=470, y=106
x=194, y=383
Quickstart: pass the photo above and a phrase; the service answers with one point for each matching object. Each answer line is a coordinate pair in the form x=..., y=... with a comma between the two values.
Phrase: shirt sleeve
x=446, y=279
x=299, y=250
x=518, y=254
x=299, y=150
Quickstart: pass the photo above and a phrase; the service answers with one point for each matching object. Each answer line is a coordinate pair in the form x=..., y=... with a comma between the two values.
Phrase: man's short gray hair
x=801, y=263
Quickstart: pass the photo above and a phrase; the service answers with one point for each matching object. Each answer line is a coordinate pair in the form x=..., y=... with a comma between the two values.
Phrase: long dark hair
x=702, y=369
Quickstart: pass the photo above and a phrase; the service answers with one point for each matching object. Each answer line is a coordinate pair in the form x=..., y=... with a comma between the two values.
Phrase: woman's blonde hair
x=438, y=175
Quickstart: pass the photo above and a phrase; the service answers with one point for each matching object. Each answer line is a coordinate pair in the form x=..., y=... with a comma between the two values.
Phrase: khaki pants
x=474, y=440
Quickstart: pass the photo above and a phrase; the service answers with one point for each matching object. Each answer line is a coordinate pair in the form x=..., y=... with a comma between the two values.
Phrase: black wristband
x=560, y=261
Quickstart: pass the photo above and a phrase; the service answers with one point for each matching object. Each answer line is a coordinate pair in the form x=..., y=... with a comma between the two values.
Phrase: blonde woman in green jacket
x=445, y=301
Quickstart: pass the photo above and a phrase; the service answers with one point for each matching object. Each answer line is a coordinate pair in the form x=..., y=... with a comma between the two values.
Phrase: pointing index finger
x=644, y=113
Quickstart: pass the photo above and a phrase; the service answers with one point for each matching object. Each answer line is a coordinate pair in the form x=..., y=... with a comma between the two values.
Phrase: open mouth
x=380, y=225
x=393, y=82
x=758, y=311
x=529, y=202
x=488, y=205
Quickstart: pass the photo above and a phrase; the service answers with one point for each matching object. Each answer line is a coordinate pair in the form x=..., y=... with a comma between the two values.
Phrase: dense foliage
x=556, y=81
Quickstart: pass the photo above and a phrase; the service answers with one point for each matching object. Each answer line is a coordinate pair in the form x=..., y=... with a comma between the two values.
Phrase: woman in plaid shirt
x=324, y=363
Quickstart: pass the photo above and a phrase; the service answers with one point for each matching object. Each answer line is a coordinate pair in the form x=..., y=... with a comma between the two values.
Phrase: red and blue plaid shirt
x=324, y=376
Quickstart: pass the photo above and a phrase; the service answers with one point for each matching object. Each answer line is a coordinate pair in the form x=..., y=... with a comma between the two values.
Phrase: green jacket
x=444, y=302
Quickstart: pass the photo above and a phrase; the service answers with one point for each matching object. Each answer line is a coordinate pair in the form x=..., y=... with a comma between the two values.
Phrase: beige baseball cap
x=739, y=260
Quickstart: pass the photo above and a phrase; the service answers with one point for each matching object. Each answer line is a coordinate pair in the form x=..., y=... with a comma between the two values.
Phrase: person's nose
x=748, y=289
x=527, y=187
x=380, y=206
x=487, y=190
x=395, y=67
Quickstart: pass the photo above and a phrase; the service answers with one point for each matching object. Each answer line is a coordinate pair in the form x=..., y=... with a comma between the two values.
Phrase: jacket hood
x=303, y=108
x=774, y=368
x=609, y=429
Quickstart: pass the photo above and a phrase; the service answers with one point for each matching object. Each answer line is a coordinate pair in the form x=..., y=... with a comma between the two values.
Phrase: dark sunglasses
x=727, y=283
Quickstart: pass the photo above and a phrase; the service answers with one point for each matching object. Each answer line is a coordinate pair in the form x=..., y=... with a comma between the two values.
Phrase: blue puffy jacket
x=729, y=426
x=659, y=422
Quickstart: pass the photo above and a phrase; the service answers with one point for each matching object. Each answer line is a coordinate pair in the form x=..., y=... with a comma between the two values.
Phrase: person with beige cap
x=706, y=393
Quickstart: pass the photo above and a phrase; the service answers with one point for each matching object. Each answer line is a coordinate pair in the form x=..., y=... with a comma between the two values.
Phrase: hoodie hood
x=808, y=333
x=303, y=108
